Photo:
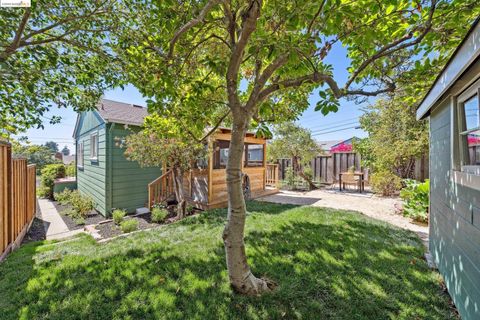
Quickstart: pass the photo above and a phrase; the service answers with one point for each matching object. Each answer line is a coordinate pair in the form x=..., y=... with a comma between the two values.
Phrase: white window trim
x=80, y=153
x=95, y=134
x=461, y=174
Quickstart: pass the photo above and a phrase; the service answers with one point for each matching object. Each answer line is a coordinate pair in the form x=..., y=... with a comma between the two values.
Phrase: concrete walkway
x=53, y=224
x=385, y=209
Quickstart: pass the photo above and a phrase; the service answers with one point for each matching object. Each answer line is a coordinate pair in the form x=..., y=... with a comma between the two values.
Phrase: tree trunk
x=179, y=195
x=241, y=278
x=299, y=170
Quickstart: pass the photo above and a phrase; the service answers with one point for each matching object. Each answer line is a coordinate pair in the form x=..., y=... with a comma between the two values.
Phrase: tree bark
x=178, y=187
x=241, y=278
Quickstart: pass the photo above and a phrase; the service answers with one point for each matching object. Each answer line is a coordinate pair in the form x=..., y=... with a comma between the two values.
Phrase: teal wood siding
x=129, y=181
x=91, y=179
x=454, y=221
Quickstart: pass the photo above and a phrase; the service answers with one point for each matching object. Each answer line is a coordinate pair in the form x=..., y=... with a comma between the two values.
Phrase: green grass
x=329, y=264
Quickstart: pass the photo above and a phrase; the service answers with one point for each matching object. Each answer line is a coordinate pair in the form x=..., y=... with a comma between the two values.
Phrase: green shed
x=103, y=172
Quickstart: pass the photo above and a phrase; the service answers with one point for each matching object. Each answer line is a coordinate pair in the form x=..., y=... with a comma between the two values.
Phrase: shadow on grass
x=327, y=269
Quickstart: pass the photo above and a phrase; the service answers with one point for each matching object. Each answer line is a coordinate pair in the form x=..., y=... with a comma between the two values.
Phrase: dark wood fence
x=326, y=168
x=17, y=199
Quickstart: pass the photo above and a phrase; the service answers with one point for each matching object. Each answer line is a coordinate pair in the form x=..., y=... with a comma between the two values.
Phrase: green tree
x=35, y=154
x=52, y=145
x=260, y=60
x=395, y=138
x=164, y=143
x=294, y=142
x=55, y=53
x=65, y=151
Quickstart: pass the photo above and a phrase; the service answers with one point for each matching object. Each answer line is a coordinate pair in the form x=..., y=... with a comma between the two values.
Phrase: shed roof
x=120, y=112
x=461, y=59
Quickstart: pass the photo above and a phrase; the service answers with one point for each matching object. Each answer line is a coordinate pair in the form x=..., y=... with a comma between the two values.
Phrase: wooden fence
x=326, y=168
x=17, y=199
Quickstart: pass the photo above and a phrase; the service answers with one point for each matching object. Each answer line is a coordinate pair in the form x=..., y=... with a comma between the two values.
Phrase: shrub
x=43, y=192
x=118, y=215
x=289, y=180
x=63, y=197
x=81, y=205
x=48, y=175
x=385, y=183
x=416, y=198
x=129, y=225
x=71, y=170
x=159, y=215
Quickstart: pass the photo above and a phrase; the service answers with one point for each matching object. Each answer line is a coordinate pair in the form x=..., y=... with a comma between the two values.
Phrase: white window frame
x=94, y=146
x=463, y=173
x=80, y=154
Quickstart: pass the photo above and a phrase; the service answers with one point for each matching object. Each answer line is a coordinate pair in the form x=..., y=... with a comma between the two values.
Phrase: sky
x=335, y=126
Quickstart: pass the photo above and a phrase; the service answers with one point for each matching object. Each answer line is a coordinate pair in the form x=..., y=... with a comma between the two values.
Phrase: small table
x=361, y=181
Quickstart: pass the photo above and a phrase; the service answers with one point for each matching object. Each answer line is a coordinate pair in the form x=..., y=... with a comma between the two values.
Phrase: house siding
x=454, y=220
x=91, y=179
x=129, y=181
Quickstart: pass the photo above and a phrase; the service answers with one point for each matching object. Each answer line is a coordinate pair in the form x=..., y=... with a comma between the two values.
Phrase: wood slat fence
x=326, y=168
x=17, y=199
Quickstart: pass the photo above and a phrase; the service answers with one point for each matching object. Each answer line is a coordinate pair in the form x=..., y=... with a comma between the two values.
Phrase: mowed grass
x=329, y=264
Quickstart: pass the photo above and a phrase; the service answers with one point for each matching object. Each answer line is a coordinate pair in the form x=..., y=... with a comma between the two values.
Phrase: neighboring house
x=453, y=106
x=112, y=181
x=104, y=173
x=337, y=146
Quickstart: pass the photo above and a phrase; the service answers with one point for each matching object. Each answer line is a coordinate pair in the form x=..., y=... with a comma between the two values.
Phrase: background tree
x=52, y=145
x=55, y=53
x=296, y=143
x=262, y=59
x=395, y=140
x=65, y=151
x=35, y=154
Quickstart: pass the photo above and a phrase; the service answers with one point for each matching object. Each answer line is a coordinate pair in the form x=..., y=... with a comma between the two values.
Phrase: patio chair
x=349, y=179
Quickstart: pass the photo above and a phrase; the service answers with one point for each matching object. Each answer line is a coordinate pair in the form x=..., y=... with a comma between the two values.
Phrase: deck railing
x=17, y=199
x=160, y=189
x=271, y=175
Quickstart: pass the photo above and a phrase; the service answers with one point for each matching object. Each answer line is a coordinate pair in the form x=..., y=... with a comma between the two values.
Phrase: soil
x=36, y=231
x=110, y=229
x=93, y=217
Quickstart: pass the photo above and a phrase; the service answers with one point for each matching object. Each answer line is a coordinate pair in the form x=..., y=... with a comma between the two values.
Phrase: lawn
x=329, y=264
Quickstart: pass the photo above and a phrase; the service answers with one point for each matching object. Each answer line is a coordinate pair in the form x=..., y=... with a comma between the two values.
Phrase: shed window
x=94, y=146
x=469, y=127
x=80, y=154
x=254, y=155
x=220, y=154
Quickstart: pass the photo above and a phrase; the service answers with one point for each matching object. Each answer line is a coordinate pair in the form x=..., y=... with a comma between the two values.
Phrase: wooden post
x=210, y=170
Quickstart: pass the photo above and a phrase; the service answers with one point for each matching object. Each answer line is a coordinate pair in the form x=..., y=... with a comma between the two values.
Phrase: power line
x=323, y=133
x=330, y=123
x=336, y=126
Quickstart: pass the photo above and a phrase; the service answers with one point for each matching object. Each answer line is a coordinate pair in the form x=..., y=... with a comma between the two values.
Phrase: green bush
x=48, y=175
x=129, y=225
x=416, y=199
x=81, y=205
x=385, y=183
x=63, y=197
x=71, y=170
x=289, y=180
x=118, y=215
x=159, y=215
x=43, y=192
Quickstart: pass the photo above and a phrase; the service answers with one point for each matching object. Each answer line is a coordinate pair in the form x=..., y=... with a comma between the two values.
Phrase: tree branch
x=395, y=46
x=192, y=23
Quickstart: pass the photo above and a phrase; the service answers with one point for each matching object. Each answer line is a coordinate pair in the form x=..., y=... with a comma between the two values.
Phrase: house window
x=254, y=155
x=468, y=107
x=80, y=154
x=94, y=146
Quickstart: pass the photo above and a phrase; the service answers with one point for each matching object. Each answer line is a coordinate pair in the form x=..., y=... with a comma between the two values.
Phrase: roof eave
x=467, y=51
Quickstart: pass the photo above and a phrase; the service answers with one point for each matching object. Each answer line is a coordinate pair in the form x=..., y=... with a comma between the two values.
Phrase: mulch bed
x=93, y=217
x=36, y=232
x=110, y=229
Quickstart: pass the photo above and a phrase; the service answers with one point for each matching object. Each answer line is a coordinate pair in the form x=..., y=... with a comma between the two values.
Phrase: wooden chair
x=349, y=179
